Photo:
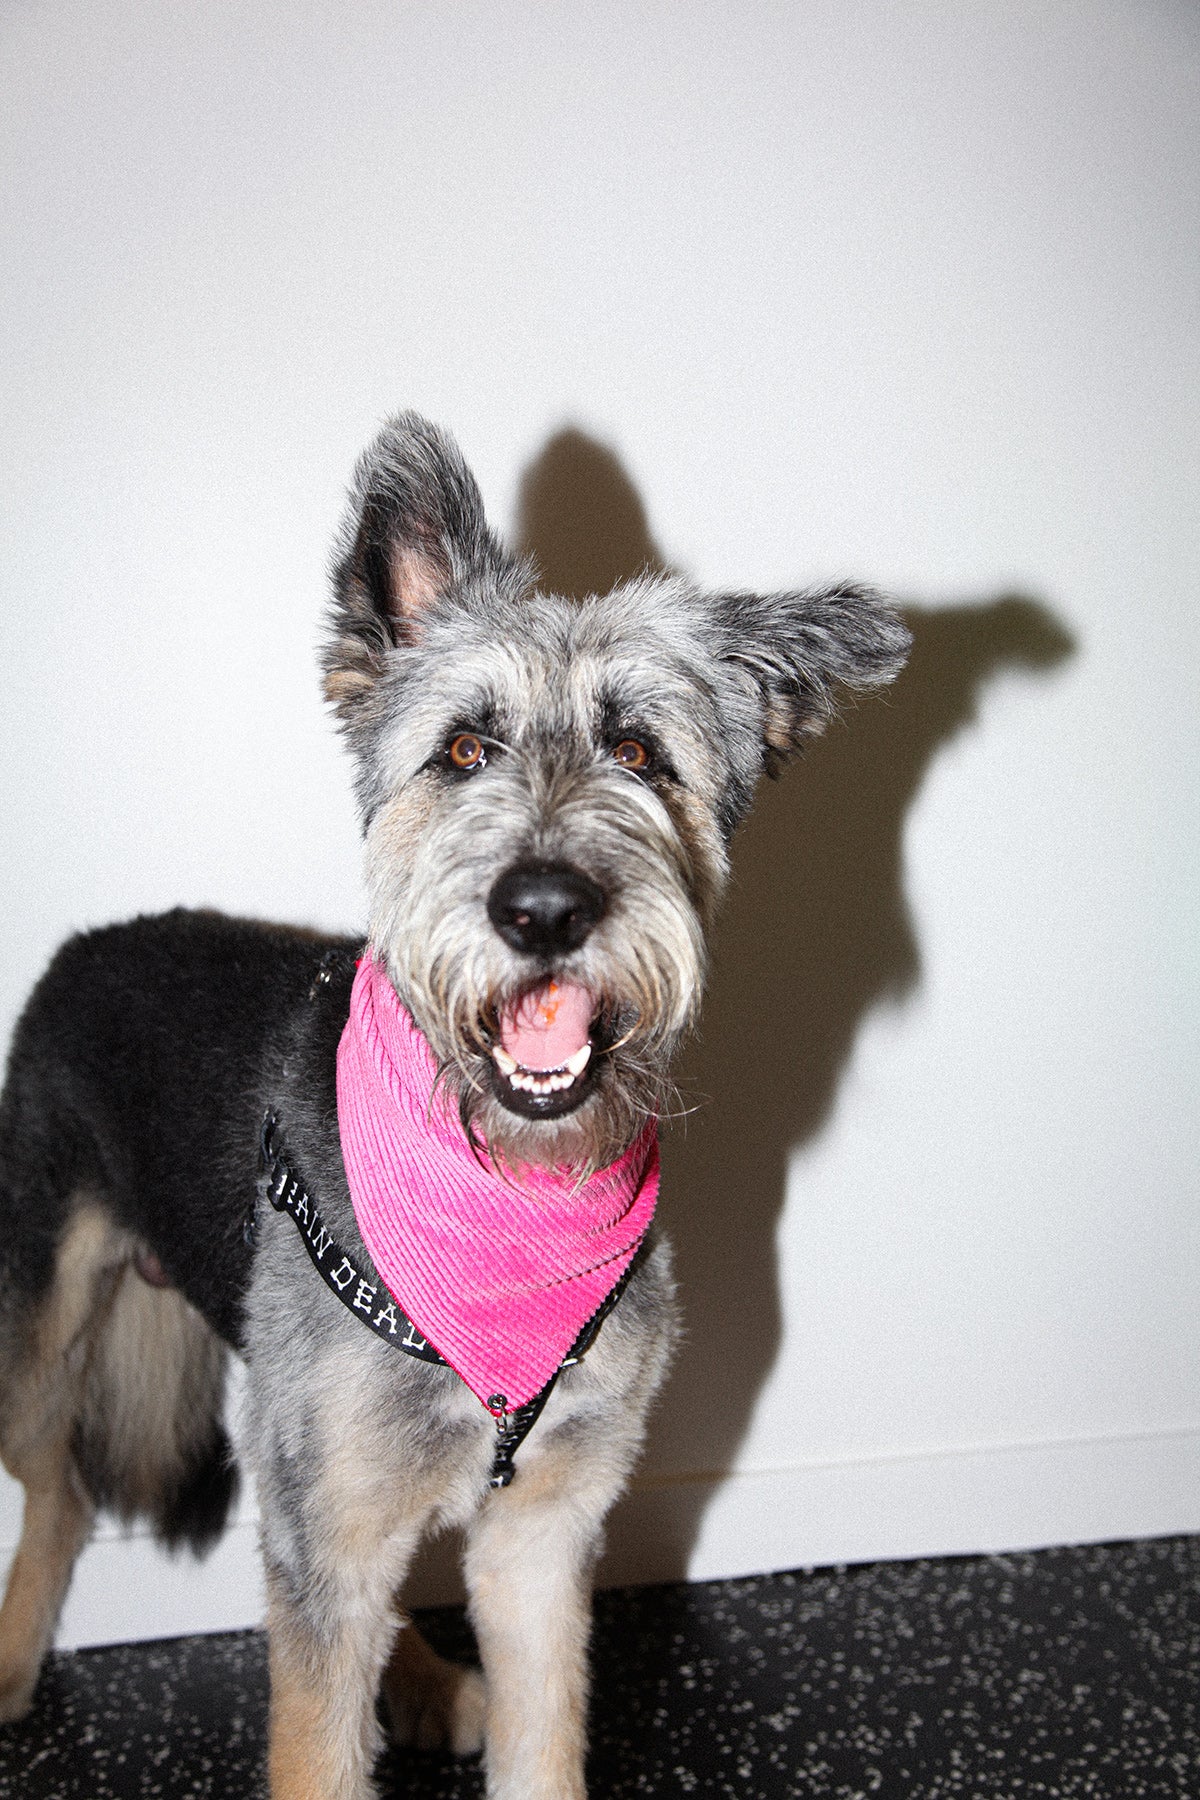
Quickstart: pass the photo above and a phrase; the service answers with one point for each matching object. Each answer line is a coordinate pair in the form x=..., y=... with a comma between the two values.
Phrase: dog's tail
x=148, y=1438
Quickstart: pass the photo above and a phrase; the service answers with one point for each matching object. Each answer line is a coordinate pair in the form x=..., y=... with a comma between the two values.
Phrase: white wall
x=906, y=292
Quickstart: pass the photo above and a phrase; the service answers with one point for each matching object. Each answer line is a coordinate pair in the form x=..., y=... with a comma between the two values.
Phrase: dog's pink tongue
x=548, y=1026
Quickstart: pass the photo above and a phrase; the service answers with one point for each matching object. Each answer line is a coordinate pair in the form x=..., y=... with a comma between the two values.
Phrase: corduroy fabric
x=499, y=1271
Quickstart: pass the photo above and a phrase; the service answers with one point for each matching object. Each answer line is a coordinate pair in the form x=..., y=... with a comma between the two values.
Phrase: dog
x=409, y=1181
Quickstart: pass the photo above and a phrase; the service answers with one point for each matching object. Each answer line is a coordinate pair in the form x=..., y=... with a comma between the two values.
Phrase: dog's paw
x=431, y=1703
x=447, y=1716
x=16, y=1693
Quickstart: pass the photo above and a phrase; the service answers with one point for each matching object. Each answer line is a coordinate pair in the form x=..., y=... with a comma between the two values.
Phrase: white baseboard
x=125, y=1588
x=961, y=1502
x=1014, y=1497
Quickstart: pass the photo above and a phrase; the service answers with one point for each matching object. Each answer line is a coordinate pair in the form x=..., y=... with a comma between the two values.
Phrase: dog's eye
x=631, y=755
x=466, y=751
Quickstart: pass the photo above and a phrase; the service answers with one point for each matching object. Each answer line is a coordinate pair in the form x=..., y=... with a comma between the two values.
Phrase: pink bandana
x=500, y=1275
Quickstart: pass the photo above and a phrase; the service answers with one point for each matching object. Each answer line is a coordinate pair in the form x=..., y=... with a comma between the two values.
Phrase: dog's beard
x=641, y=1014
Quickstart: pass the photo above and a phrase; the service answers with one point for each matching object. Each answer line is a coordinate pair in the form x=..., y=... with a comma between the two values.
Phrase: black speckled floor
x=1060, y=1674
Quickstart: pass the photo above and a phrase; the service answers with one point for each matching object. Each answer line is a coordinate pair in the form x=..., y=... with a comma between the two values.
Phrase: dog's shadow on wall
x=815, y=932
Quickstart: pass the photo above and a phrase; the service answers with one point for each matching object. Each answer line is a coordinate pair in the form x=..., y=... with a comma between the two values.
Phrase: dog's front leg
x=324, y=1736
x=529, y=1568
x=333, y=1565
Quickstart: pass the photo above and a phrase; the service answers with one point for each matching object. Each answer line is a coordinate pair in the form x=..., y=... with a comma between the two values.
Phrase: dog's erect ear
x=414, y=529
x=797, y=649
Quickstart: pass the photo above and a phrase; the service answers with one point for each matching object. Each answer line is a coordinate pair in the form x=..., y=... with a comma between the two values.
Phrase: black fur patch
x=137, y=1072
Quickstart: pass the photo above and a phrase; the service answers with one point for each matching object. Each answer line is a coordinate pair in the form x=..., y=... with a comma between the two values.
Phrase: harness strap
x=375, y=1307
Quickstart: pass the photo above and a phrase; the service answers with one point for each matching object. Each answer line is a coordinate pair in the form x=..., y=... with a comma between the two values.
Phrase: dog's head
x=549, y=787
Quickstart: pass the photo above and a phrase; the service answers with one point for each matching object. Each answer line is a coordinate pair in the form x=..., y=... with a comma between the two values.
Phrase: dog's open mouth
x=542, y=1065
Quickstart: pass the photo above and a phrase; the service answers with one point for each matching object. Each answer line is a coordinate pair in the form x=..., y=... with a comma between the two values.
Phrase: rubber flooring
x=1058, y=1674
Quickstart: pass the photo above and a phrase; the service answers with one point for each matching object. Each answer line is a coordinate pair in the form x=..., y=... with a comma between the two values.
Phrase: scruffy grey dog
x=548, y=790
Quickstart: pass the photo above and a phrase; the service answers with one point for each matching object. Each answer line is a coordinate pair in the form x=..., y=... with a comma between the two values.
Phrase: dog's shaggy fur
x=602, y=749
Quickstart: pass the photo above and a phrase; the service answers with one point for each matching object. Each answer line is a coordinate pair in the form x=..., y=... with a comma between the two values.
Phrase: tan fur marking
x=343, y=686
x=780, y=726
x=302, y=1760
x=704, y=851
x=396, y=830
x=323, y=1734
x=39, y=1409
x=56, y=1525
x=91, y=1247
x=42, y=1388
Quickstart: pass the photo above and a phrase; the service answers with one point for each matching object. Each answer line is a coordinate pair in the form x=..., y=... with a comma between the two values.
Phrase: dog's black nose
x=545, y=909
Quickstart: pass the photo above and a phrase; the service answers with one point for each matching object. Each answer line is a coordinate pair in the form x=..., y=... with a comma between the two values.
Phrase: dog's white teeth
x=553, y=1083
x=541, y=1081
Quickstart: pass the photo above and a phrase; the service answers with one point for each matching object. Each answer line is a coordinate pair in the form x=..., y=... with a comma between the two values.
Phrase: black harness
x=375, y=1307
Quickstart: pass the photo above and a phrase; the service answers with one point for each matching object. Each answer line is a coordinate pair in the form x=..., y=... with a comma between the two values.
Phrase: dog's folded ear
x=798, y=649
x=413, y=531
